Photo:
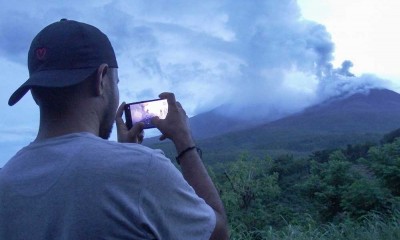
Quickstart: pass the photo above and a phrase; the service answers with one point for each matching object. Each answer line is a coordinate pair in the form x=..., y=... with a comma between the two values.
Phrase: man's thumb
x=155, y=121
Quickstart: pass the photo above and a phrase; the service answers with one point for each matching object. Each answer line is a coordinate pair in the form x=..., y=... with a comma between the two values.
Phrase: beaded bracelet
x=187, y=150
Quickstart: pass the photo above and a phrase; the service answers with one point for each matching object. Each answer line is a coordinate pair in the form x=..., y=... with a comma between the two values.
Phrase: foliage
x=351, y=193
x=363, y=196
x=248, y=187
x=327, y=183
x=385, y=162
x=372, y=227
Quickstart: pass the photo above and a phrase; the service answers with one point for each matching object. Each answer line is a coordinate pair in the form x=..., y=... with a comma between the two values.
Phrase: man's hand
x=176, y=127
x=133, y=135
x=176, y=124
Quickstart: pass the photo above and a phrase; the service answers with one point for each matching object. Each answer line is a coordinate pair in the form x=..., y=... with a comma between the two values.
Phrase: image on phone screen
x=144, y=111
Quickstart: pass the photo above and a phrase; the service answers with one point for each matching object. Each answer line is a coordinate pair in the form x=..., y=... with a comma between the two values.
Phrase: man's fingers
x=170, y=98
x=155, y=121
x=137, y=128
x=141, y=137
x=118, y=117
x=178, y=104
x=136, y=133
x=120, y=110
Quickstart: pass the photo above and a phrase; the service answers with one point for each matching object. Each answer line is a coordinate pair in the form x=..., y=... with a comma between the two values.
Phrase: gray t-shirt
x=80, y=186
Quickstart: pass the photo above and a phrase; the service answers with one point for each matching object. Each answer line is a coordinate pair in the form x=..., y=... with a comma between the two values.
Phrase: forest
x=347, y=193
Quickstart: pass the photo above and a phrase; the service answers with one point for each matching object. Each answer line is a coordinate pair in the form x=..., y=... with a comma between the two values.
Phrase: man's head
x=68, y=60
x=64, y=54
x=97, y=96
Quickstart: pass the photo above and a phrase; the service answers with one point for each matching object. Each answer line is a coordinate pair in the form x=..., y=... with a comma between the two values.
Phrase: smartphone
x=144, y=111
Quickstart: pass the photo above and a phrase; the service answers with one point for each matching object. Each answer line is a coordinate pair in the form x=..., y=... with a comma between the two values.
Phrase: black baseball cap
x=64, y=54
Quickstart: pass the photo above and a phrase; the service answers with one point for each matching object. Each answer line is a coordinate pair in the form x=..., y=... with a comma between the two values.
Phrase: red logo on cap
x=41, y=53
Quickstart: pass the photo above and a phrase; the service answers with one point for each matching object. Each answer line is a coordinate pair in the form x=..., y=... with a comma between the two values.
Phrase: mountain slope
x=213, y=123
x=356, y=119
x=377, y=110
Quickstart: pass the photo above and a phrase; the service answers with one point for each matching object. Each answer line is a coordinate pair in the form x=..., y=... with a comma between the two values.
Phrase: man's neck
x=59, y=125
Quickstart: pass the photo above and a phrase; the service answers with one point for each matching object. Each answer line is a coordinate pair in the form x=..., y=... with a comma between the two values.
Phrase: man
x=71, y=183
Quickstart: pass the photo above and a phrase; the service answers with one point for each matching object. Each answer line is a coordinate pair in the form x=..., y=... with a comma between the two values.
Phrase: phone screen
x=144, y=111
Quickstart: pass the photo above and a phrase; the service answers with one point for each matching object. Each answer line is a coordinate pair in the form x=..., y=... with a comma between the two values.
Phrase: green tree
x=247, y=189
x=385, y=162
x=364, y=196
x=327, y=183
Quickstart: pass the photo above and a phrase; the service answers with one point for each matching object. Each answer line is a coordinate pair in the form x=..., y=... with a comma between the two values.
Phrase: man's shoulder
x=113, y=147
x=92, y=148
x=90, y=141
x=91, y=144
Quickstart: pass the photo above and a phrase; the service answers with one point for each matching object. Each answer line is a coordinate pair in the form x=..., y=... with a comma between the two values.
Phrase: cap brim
x=51, y=78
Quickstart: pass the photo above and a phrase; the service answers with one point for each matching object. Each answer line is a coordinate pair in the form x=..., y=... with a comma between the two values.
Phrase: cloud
x=210, y=53
x=17, y=133
x=249, y=58
x=247, y=51
x=16, y=34
x=13, y=138
x=259, y=57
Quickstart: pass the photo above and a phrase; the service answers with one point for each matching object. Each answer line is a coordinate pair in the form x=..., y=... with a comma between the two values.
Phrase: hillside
x=355, y=119
x=214, y=123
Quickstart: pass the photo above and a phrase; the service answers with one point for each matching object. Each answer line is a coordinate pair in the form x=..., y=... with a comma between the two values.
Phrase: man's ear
x=101, y=74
